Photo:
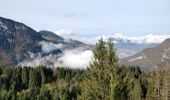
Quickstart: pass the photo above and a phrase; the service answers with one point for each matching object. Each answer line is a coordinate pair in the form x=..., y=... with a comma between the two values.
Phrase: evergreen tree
x=137, y=91
x=16, y=78
x=150, y=89
x=44, y=94
x=119, y=90
x=32, y=78
x=25, y=77
x=43, y=76
x=99, y=75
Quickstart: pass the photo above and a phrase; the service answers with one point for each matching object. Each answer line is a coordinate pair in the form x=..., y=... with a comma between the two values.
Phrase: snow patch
x=137, y=58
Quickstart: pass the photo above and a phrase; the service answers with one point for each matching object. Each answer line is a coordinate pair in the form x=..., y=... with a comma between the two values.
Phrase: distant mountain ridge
x=20, y=42
x=151, y=58
x=21, y=45
x=129, y=49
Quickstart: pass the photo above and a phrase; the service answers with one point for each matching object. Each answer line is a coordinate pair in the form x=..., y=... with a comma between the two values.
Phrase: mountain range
x=22, y=45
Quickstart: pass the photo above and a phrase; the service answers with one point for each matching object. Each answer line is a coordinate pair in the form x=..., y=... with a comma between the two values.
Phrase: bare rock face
x=16, y=40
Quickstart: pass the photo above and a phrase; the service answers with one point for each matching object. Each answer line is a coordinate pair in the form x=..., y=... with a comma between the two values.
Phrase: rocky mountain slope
x=151, y=58
x=16, y=41
x=19, y=42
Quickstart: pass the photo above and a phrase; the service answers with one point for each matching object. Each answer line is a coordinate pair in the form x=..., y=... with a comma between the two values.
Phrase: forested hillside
x=104, y=79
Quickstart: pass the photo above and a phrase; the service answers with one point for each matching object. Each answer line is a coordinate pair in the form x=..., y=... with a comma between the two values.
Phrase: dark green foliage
x=27, y=83
x=42, y=83
x=43, y=76
x=33, y=78
x=25, y=77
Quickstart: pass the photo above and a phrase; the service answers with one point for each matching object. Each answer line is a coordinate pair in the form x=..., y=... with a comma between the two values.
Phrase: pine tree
x=16, y=77
x=113, y=65
x=137, y=91
x=119, y=90
x=32, y=78
x=25, y=77
x=43, y=76
x=100, y=74
x=150, y=89
x=166, y=86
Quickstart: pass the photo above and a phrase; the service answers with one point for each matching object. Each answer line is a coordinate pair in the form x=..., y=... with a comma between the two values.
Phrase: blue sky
x=92, y=17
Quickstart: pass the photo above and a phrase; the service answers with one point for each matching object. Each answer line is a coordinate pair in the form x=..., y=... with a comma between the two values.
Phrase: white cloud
x=46, y=60
x=48, y=46
x=150, y=38
x=65, y=33
x=76, y=58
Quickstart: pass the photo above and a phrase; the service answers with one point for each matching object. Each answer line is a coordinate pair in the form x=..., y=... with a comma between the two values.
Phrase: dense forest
x=104, y=79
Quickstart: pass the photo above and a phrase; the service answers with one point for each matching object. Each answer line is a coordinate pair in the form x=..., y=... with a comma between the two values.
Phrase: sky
x=91, y=17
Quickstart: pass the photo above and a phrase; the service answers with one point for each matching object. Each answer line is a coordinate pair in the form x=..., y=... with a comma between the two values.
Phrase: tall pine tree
x=99, y=75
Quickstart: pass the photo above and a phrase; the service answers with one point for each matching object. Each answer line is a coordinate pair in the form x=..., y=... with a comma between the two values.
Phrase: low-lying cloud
x=48, y=46
x=73, y=58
